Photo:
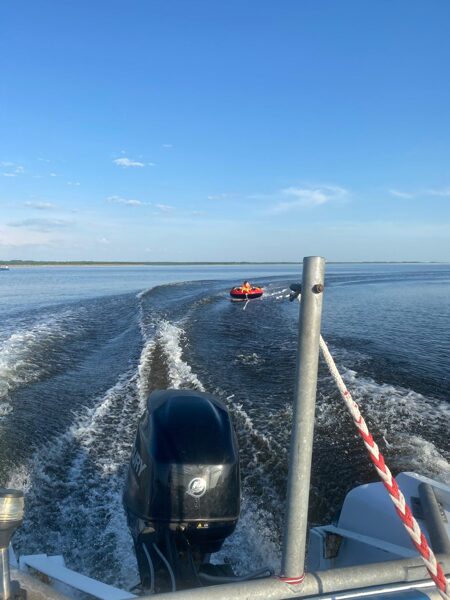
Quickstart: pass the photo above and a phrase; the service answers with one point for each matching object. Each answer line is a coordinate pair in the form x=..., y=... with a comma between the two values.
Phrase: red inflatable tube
x=237, y=293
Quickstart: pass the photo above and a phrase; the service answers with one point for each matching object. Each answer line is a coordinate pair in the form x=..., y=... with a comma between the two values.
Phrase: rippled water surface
x=81, y=348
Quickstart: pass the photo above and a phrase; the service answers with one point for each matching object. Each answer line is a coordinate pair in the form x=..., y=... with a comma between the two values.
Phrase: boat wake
x=73, y=489
x=32, y=351
x=179, y=337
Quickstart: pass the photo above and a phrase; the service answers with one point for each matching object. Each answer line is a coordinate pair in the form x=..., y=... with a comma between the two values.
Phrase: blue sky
x=225, y=130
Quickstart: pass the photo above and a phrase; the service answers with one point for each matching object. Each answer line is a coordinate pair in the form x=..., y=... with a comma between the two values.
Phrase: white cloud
x=126, y=201
x=103, y=241
x=151, y=164
x=439, y=193
x=53, y=175
x=303, y=197
x=14, y=168
x=400, y=194
x=76, y=183
x=165, y=208
x=218, y=197
x=167, y=146
x=127, y=162
x=41, y=205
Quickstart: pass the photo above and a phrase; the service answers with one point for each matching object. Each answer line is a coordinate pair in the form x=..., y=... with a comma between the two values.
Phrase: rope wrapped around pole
x=395, y=494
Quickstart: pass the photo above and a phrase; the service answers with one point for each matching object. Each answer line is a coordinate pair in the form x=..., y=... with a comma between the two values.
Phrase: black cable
x=169, y=568
x=223, y=579
x=151, y=568
x=191, y=561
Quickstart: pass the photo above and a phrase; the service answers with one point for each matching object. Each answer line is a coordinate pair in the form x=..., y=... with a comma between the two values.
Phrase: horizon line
x=18, y=262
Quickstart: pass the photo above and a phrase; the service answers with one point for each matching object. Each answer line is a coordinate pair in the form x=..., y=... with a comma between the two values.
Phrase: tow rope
x=395, y=494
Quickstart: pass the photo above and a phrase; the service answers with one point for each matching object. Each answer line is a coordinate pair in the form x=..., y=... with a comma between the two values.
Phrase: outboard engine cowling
x=182, y=494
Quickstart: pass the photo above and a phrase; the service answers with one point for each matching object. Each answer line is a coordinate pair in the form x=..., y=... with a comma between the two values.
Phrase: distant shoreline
x=32, y=263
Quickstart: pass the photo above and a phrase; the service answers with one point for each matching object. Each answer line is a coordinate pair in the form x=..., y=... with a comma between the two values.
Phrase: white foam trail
x=415, y=453
x=24, y=353
x=387, y=399
x=247, y=424
x=143, y=293
x=277, y=294
x=254, y=544
x=74, y=486
x=144, y=370
x=5, y=409
x=18, y=365
x=249, y=358
x=180, y=373
x=405, y=418
x=145, y=361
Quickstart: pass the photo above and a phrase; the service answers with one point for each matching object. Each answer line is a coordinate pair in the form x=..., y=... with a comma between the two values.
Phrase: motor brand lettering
x=137, y=463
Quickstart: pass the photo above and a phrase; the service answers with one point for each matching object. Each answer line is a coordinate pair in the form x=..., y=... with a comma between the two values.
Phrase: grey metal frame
x=320, y=582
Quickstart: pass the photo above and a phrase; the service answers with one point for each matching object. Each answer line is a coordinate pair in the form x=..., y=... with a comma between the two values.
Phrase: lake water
x=81, y=349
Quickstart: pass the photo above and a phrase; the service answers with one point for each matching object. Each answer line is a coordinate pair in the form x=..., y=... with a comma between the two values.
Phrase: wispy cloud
x=41, y=205
x=439, y=193
x=41, y=224
x=127, y=162
x=13, y=168
x=165, y=208
x=75, y=183
x=311, y=196
x=400, y=194
x=104, y=241
x=167, y=146
x=126, y=201
x=218, y=196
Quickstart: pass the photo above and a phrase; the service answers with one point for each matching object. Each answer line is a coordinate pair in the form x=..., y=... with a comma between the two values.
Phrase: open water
x=81, y=349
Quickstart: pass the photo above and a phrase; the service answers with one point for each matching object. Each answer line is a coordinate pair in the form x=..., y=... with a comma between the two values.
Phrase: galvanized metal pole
x=4, y=565
x=296, y=520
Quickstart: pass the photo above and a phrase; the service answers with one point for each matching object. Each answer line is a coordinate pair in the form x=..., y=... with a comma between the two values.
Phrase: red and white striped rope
x=402, y=508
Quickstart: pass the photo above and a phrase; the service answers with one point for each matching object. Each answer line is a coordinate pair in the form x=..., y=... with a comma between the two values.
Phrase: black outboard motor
x=182, y=494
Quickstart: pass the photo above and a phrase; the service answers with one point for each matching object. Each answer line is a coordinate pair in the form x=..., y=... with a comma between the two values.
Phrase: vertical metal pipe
x=296, y=520
x=4, y=562
x=433, y=519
